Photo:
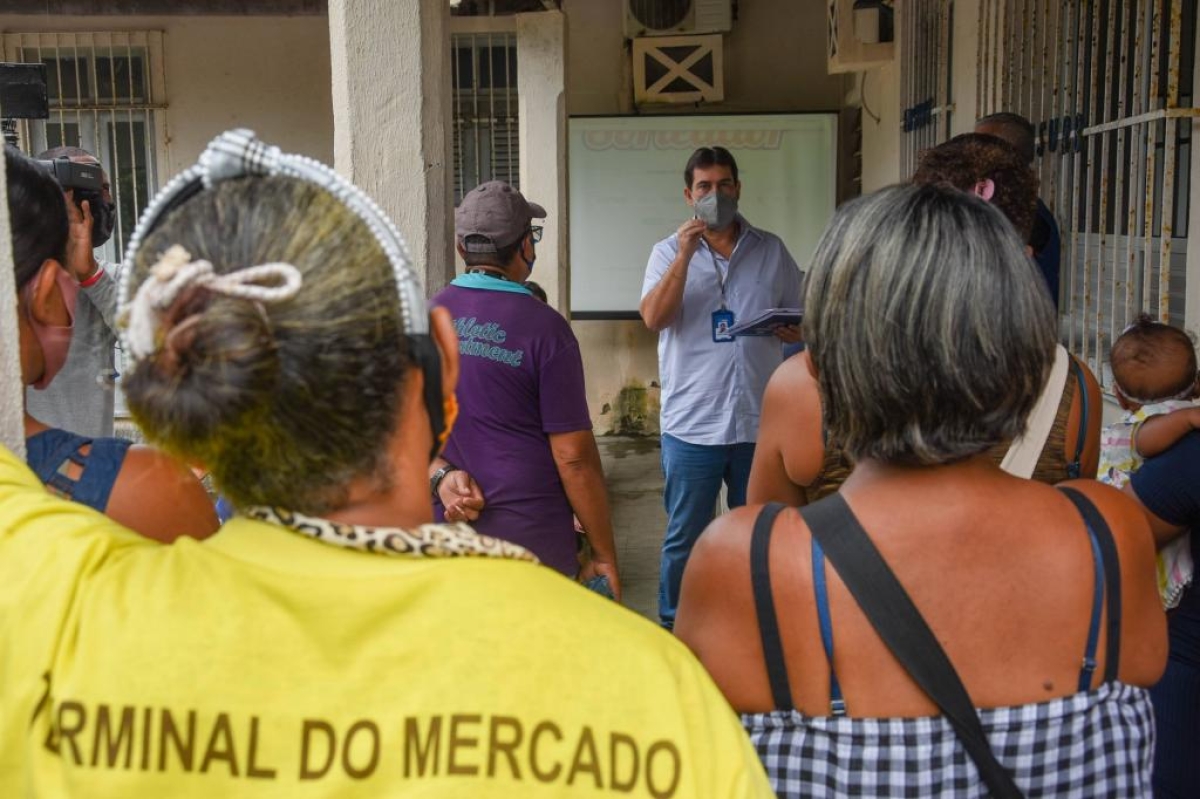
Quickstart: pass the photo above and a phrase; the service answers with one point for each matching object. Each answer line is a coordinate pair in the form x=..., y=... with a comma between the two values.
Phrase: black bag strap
x=1112, y=579
x=1075, y=467
x=768, y=626
x=899, y=624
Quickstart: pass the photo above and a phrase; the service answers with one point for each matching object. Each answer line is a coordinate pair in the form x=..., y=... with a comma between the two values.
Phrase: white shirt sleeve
x=660, y=261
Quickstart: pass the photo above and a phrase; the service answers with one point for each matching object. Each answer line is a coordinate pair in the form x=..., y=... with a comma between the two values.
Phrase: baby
x=1155, y=381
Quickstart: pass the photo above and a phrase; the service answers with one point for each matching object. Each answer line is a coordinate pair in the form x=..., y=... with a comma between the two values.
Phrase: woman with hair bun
x=330, y=639
x=860, y=635
x=137, y=486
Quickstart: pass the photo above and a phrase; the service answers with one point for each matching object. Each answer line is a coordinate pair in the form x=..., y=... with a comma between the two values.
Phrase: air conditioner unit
x=673, y=17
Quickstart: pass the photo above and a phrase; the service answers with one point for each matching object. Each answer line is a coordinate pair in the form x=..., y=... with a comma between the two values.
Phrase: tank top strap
x=50, y=453
x=1107, y=580
x=764, y=603
x=837, y=703
x=1074, y=466
x=104, y=460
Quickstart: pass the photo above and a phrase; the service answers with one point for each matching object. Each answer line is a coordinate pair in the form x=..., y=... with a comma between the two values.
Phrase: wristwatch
x=438, y=476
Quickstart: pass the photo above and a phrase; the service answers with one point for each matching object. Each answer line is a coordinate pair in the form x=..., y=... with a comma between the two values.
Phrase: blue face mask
x=717, y=209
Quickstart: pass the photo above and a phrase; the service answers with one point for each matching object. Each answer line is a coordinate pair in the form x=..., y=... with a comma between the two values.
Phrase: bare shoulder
x=718, y=569
x=791, y=395
x=793, y=374
x=716, y=613
x=160, y=497
x=1143, y=623
x=727, y=537
x=1123, y=515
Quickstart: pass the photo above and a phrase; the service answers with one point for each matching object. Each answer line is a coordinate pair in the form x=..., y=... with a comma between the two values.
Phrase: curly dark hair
x=967, y=159
x=1153, y=361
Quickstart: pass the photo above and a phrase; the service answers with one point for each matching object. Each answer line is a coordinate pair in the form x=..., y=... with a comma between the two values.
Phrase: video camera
x=84, y=178
x=86, y=183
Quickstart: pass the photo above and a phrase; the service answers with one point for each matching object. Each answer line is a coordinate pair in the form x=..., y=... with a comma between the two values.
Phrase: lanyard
x=722, y=280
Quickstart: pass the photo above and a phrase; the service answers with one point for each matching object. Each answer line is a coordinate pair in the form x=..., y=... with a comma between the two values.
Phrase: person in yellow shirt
x=329, y=640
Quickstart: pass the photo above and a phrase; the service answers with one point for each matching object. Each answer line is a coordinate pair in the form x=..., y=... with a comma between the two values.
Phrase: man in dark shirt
x=1168, y=488
x=524, y=433
x=1017, y=131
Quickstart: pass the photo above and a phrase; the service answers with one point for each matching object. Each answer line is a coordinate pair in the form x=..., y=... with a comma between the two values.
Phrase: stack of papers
x=764, y=323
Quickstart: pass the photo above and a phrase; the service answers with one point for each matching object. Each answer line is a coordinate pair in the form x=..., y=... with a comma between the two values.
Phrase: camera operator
x=80, y=398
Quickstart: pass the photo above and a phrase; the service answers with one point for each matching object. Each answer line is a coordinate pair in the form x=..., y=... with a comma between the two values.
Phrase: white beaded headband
x=238, y=153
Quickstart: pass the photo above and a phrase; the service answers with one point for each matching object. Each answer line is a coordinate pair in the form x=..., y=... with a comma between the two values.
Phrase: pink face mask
x=55, y=340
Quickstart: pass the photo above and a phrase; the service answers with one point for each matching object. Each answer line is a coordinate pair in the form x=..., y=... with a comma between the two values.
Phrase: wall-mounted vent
x=671, y=17
x=678, y=69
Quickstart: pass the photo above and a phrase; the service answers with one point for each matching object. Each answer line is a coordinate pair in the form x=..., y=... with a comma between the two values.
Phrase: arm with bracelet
x=458, y=492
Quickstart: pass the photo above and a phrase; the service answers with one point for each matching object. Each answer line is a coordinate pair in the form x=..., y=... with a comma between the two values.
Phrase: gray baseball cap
x=496, y=211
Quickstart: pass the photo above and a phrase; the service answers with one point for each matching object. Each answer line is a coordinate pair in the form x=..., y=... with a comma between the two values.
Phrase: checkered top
x=1097, y=743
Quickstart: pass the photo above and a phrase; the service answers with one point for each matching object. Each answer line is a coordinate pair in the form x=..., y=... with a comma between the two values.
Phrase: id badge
x=722, y=320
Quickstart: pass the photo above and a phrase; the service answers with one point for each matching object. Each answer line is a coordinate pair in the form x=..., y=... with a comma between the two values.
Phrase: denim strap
x=837, y=704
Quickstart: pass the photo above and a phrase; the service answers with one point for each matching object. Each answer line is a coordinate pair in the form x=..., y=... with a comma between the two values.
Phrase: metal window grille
x=1105, y=83
x=925, y=76
x=104, y=90
x=485, y=113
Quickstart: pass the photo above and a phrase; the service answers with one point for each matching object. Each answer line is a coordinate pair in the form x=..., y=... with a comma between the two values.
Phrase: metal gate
x=925, y=77
x=1106, y=84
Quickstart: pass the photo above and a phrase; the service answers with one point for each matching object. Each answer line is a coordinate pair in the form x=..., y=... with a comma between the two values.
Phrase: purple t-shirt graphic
x=520, y=379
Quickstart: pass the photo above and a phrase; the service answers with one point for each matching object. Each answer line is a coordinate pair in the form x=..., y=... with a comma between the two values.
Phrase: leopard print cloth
x=426, y=541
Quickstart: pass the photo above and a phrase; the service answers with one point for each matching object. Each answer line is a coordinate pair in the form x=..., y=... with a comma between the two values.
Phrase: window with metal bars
x=485, y=111
x=1107, y=85
x=104, y=91
x=925, y=77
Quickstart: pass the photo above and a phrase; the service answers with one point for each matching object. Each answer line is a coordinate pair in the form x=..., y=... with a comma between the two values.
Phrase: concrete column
x=12, y=390
x=542, y=91
x=964, y=67
x=391, y=118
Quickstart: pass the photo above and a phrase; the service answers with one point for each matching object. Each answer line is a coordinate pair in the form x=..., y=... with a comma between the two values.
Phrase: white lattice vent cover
x=678, y=69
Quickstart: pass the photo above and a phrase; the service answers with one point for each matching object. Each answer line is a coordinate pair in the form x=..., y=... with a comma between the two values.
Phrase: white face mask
x=716, y=209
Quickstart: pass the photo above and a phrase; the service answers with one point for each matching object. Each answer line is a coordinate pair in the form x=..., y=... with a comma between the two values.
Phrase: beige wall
x=273, y=75
x=270, y=74
x=879, y=88
x=774, y=62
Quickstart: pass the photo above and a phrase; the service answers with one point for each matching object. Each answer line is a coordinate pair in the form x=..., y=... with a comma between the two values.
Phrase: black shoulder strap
x=1075, y=466
x=760, y=579
x=1112, y=579
x=898, y=622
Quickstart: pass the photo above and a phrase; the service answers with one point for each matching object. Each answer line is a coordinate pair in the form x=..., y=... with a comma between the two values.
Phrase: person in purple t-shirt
x=521, y=457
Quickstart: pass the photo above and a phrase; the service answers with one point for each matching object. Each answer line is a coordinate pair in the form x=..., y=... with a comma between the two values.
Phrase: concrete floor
x=635, y=484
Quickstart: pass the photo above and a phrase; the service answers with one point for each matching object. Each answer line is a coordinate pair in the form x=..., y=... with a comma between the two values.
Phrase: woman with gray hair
x=951, y=585
x=797, y=461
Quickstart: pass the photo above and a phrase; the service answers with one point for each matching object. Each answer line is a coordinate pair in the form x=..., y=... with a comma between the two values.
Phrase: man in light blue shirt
x=713, y=272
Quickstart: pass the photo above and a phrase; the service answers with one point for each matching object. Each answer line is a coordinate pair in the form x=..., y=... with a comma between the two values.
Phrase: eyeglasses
x=536, y=232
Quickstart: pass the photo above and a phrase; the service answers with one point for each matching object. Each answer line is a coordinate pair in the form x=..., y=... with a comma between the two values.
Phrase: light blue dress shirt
x=712, y=392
